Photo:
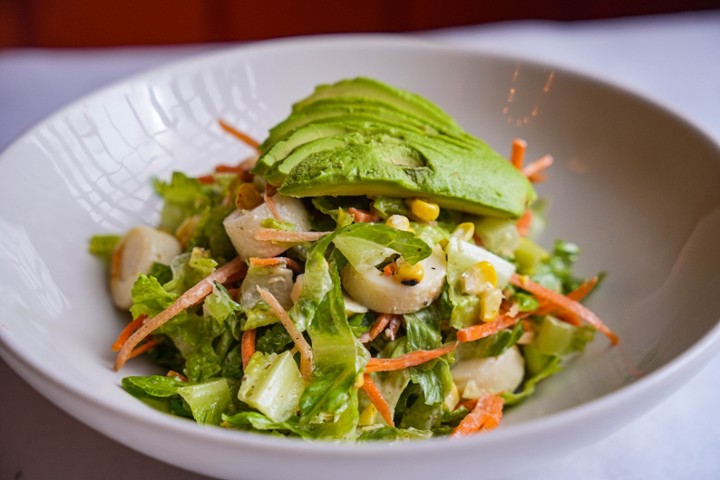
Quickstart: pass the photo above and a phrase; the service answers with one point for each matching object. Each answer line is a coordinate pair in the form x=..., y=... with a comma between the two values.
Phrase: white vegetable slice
x=462, y=255
x=378, y=292
x=241, y=226
x=135, y=254
x=475, y=377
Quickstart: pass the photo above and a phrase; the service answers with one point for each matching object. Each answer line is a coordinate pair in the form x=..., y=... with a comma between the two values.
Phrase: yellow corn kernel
x=464, y=231
x=367, y=416
x=488, y=272
x=424, y=211
x=479, y=278
x=398, y=222
x=247, y=197
x=409, y=275
x=490, y=304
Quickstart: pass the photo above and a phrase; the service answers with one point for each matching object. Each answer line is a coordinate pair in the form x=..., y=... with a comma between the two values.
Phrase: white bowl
x=633, y=184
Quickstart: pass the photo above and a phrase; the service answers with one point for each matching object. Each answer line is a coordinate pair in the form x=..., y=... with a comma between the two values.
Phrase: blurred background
x=103, y=23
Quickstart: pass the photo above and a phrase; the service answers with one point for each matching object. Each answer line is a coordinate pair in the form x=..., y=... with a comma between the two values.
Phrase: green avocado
x=362, y=137
x=383, y=165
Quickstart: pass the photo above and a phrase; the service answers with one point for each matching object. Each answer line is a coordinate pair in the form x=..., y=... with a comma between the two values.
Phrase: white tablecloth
x=673, y=59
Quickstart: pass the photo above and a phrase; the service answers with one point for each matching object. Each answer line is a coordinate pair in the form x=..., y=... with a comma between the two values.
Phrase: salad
x=371, y=273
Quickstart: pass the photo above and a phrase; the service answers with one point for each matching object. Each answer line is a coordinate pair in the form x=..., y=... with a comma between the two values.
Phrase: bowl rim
x=688, y=361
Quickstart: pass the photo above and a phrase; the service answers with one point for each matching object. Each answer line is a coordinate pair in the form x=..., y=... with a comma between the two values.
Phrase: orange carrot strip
x=486, y=415
x=482, y=330
x=194, y=295
x=288, y=236
x=362, y=216
x=564, y=304
x=144, y=348
x=411, y=359
x=523, y=225
x=390, y=269
x=302, y=345
x=578, y=294
x=272, y=261
x=206, y=179
x=381, y=322
x=247, y=346
x=375, y=396
x=243, y=137
x=127, y=331
x=518, y=153
x=533, y=169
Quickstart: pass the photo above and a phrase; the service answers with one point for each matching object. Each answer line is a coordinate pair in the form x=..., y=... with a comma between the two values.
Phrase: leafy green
x=539, y=367
x=387, y=206
x=368, y=244
x=258, y=422
x=207, y=400
x=149, y=297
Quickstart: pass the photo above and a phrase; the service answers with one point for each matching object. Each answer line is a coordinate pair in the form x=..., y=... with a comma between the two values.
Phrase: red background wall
x=78, y=23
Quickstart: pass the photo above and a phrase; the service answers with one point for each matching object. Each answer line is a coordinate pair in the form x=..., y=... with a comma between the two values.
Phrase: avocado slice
x=361, y=109
x=362, y=137
x=474, y=180
x=274, y=169
x=367, y=88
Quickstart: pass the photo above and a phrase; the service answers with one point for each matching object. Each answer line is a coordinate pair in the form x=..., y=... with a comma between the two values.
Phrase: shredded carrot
x=578, y=294
x=381, y=322
x=362, y=216
x=390, y=269
x=482, y=330
x=518, y=153
x=564, y=304
x=247, y=346
x=411, y=359
x=191, y=297
x=174, y=374
x=206, y=179
x=302, y=345
x=533, y=170
x=287, y=236
x=127, y=331
x=485, y=415
x=243, y=137
x=151, y=343
x=375, y=396
x=272, y=261
x=523, y=225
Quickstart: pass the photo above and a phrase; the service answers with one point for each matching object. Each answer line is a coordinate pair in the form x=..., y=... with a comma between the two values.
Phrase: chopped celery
x=500, y=236
x=272, y=384
x=528, y=255
x=555, y=337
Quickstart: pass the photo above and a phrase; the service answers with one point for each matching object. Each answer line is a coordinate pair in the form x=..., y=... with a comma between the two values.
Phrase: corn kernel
x=479, y=278
x=490, y=304
x=367, y=416
x=424, y=211
x=409, y=275
x=398, y=222
x=464, y=231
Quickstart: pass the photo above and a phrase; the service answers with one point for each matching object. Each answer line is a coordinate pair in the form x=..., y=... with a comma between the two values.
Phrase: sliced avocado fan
x=363, y=137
